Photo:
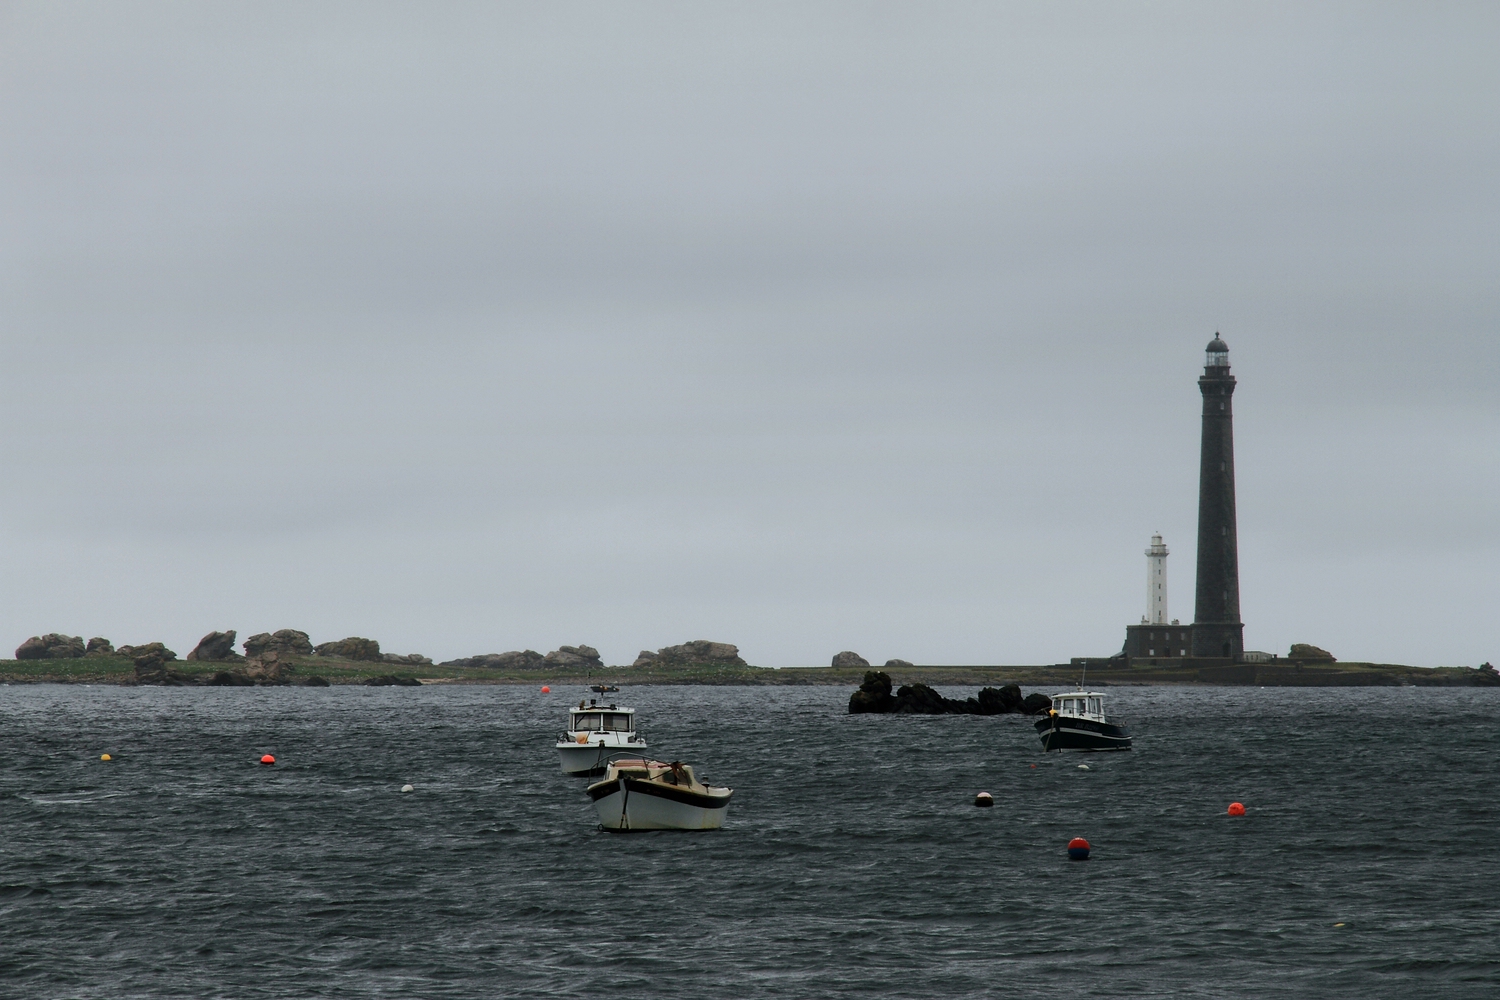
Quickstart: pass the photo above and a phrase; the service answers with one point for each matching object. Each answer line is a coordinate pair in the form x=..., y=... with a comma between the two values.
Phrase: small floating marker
x=105, y=756
x=1236, y=808
x=546, y=689
x=1338, y=925
x=1084, y=767
x=268, y=760
x=984, y=799
x=407, y=788
x=1033, y=767
x=1078, y=849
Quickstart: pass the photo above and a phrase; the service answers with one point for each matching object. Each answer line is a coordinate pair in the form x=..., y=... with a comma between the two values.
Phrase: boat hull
x=633, y=804
x=1062, y=732
x=593, y=758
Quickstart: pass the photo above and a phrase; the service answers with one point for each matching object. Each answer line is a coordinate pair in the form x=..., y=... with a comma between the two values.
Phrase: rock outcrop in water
x=52, y=646
x=874, y=697
x=391, y=680
x=215, y=647
x=229, y=678
x=849, y=658
x=1035, y=704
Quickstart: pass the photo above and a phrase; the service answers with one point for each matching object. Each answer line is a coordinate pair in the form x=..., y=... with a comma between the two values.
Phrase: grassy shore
x=120, y=670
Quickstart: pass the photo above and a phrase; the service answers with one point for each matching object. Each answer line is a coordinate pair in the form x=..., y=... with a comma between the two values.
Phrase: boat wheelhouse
x=1076, y=721
x=645, y=794
x=597, y=734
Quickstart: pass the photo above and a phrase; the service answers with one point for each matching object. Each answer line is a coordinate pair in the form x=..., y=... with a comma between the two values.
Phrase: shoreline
x=118, y=670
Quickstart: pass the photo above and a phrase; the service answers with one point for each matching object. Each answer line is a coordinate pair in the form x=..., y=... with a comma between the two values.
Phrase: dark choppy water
x=852, y=862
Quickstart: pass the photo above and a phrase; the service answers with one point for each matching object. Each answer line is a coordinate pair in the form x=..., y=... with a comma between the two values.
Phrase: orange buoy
x=1078, y=849
x=268, y=759
x=1236, y=808
x=546, y=689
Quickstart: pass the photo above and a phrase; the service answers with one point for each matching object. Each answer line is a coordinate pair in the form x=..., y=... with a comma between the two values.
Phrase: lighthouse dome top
x=1218, y=353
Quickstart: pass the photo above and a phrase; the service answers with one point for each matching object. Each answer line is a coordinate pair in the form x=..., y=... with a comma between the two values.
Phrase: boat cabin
x=601, y=719
x=1080, y=704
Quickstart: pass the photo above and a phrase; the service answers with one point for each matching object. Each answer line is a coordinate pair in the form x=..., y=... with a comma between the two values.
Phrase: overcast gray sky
x=806, y=327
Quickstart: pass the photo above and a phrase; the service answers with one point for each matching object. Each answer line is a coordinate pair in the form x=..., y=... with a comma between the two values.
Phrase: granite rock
x=521, y=659
x=214, y=647
x=391, y=680
x=848, y=658
x=287, y=640
x=151, y=662
x=229, y=678
x=700, y=652
x=874, y=695
x=352, y=648
x=574, y=656
x=270, y=667
x=52, y=646
x=1035, y=704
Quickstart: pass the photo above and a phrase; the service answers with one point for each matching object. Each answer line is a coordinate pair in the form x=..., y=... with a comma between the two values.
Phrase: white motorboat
x=596, y=735
x=649, y=795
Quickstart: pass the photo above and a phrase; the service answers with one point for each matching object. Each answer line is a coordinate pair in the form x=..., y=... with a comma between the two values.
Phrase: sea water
x=852, y=863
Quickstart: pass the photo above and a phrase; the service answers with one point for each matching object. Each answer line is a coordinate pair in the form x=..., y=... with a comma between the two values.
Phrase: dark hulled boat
x=1076, y=722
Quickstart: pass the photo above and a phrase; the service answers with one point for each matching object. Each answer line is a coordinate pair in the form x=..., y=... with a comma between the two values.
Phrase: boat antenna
x=1085, y=675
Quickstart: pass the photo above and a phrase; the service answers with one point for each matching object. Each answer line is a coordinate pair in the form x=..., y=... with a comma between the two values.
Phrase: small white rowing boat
x=649, y=795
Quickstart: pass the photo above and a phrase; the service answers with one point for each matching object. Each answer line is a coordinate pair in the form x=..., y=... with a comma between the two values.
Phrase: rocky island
x=289, y=656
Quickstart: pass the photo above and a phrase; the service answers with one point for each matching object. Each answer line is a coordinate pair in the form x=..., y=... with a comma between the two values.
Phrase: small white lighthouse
x=1156, y=582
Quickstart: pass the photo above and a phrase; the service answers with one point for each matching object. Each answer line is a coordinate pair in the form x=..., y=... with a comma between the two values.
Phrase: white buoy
x=1084, y=767
x=984, y=799
x=407, y=788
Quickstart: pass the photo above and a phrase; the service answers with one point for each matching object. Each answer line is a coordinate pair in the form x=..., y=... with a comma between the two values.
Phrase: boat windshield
x=618, y=722
x=583, y=721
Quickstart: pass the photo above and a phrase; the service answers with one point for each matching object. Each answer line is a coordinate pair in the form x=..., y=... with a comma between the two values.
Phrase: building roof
x=1217, y=346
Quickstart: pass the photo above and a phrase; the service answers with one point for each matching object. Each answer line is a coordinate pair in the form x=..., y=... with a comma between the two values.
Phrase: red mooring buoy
x=1078, y=849
x=268, y=759
x=546, y=689
x=1236, y=808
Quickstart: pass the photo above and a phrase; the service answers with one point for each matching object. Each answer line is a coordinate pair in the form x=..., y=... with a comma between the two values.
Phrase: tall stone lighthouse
x=1217, y=630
